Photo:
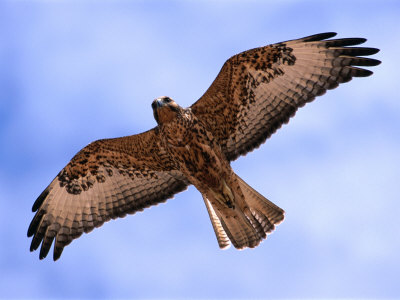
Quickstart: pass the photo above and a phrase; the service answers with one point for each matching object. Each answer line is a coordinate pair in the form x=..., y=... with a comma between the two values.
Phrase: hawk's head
x=164, y=109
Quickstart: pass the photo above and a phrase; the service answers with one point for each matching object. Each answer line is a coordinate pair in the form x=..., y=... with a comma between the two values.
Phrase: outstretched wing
x=258, y=90
x=105, y=180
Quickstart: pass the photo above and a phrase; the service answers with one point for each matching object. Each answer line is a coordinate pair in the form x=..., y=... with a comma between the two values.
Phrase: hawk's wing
x=258, y=90
x=107, y=179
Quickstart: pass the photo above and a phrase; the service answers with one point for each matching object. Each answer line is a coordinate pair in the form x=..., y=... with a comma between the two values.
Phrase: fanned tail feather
x=260, y=206
x=222, y=238
x=247, y=228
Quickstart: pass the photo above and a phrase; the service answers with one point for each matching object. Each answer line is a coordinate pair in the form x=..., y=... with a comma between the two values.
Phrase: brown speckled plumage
x=255, y=93
x=259, y=90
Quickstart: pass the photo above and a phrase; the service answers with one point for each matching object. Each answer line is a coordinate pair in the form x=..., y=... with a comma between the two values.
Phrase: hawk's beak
x=156, y=104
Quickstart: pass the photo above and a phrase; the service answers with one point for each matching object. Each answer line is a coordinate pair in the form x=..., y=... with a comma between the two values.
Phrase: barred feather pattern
x=106, y=180
x=222, y=238
x=248, y=227
x=259, y=90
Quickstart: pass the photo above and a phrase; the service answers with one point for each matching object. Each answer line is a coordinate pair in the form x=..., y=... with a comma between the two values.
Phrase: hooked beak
x=156, y=104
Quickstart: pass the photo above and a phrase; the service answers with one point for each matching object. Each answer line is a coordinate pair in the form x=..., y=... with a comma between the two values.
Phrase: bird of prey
x=254, y=94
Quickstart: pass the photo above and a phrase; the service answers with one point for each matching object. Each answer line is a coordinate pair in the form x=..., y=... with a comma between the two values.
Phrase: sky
x=72, y=72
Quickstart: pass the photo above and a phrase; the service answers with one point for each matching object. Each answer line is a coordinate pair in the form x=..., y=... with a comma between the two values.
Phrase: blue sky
x=75, y=71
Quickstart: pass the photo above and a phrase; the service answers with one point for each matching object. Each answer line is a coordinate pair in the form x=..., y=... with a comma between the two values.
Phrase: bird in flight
x=254, y=94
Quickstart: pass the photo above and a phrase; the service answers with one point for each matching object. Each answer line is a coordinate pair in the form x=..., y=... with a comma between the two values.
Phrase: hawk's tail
x=249, y=227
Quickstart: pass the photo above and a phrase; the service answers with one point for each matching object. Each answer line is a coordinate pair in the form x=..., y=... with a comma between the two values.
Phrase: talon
x=226, y=198
x=230, y=204
x=227, y=192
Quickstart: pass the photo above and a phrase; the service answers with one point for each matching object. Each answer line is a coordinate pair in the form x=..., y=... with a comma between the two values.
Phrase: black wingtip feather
x=40, y=200
x=57, y=253
x=375, y=61
x=358, y=72
x=313, y=38
x=46, y=244
x=373, y=50
x=35, y=242
x=319, y=37
x=35, y=223
x=345, y=42
x=359, y=51
x=365, y=62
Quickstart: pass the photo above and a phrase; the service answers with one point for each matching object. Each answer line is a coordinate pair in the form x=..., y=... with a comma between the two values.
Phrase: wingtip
x=57, y=253
x=43, y=253
x=361, y=40
x=328, y=34
x=365, y=73
x=371, y=51
x=366, y=62
x=319, y=36
x=40, y=200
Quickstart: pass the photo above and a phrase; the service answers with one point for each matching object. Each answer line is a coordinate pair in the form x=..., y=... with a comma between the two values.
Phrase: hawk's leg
x=225, y=196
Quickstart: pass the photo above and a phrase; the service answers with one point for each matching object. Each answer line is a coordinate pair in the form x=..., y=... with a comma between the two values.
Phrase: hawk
x=254, y=94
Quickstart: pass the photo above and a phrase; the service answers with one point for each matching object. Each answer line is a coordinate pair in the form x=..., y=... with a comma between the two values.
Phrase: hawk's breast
x=195, y=151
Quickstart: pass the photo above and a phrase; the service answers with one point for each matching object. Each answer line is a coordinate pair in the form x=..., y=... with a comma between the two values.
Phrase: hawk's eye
x=167, y=100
